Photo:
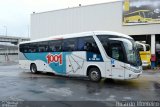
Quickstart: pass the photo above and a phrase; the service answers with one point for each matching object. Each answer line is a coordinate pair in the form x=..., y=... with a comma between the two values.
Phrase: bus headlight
x=136, y=70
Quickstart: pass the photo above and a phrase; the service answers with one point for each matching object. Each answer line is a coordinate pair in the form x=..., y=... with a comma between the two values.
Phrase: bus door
x=116, y=52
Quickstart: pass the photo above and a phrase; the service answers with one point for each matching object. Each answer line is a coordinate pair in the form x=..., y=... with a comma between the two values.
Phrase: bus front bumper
x=145, y=64
x=134, y=76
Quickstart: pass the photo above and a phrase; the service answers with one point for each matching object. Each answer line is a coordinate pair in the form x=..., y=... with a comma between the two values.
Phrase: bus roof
x=82, y=34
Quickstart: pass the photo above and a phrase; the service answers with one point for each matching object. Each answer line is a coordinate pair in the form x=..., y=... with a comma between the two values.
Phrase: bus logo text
x=54, y=58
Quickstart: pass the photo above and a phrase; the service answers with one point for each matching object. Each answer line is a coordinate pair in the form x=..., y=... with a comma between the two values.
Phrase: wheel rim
x=33, y=69
x=94, y=75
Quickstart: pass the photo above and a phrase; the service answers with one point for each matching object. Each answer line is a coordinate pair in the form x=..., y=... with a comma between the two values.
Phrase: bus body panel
x=129, y=74
x=75, y=63
x=44, y=61
x=117, y=69
x=24, y=63
x=72, y=62
x=108, y=68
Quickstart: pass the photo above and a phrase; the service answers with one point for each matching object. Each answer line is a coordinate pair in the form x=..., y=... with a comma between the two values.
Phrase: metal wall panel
x=106, y=16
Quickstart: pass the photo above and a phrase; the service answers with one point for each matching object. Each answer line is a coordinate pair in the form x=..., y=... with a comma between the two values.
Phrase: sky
x=15, y=14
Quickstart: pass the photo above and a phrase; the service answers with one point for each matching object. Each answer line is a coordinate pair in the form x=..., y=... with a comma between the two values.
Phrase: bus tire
x=139, y=21
x=94, y=74
x=33, y=68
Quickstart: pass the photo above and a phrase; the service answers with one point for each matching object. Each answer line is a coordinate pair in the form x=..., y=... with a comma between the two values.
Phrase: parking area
x=21, y=85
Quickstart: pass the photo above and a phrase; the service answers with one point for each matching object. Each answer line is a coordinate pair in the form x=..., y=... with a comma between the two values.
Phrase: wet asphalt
x=21, y=85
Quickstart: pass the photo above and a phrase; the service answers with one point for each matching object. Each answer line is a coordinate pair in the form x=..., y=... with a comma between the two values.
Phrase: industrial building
x=113, y=16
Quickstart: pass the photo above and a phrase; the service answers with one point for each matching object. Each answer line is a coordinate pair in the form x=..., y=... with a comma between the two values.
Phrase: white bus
x=98, y=54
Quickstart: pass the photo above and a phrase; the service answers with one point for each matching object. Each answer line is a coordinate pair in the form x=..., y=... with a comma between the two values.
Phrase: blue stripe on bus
x=57, y=66
x=57, y=60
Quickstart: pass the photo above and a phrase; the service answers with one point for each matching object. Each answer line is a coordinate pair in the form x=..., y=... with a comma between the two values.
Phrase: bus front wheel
x=33, y=68
x=94, y=74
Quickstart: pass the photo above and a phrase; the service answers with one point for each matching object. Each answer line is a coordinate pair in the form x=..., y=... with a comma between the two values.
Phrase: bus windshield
x=132, y=54
x=140, y=47
x=147, y=47
x=145, y=14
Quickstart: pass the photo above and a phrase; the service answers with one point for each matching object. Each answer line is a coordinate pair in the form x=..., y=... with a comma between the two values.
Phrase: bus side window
x=87, y=44
x=43, y=47
x=28, y=50
x=147, y=47
x=140, y=47
x=81, y=44
x=21, y=47
x=24, y=48
x=55, y=46
x=70, y=45
x=32, y=47
x=116, y=51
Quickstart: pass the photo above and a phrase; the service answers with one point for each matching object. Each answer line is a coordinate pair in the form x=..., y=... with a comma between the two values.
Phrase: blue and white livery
x=97, y=54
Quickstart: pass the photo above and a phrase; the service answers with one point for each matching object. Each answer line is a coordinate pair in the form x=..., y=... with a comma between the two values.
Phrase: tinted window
x=27, y=48
x=51, y=46
x=70, y=44
x=147, y=47
x=43, y=47
x=104, y=40
x=33, y=47
x=55, y=46
x=87, y=44
x=23, y=48
x=140, y=47
x=116, y=51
